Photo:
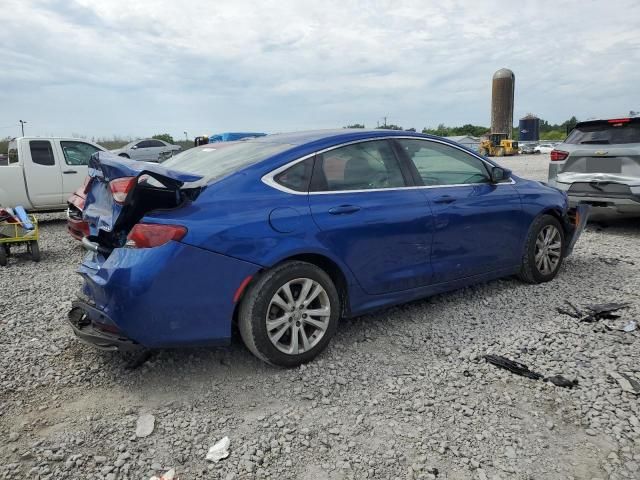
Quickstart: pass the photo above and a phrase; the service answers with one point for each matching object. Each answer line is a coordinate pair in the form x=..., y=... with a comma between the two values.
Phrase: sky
x=134, y=68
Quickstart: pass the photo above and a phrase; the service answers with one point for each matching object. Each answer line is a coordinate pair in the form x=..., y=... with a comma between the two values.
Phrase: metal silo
x=502, y=91
x=529, y=129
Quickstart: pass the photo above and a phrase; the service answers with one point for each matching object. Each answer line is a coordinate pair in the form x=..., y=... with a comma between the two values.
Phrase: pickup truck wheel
x=544, y=250
x=3, y=256
x=35, y=250
x=289, y=314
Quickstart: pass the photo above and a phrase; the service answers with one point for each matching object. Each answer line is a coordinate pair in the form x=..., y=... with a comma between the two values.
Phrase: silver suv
x=599, y=164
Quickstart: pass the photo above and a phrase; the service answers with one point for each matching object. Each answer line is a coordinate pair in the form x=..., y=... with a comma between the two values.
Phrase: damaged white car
x=599, y=165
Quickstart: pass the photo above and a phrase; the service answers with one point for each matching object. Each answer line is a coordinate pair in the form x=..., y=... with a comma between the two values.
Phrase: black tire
x=3, y=256
x=35, y=250
x=529, y=272
x=252, y=316
x=124, y=155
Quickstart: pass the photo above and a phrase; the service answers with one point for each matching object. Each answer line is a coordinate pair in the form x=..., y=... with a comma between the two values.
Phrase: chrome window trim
x=269, y=178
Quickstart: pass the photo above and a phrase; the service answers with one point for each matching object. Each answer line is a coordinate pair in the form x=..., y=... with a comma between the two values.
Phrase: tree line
x=548, y=131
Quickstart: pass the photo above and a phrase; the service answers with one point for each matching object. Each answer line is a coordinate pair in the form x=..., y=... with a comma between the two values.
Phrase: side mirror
x=499, y=174
x=134, y=147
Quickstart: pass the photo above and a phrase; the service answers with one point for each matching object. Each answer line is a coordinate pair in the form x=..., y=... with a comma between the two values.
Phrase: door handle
x=344, y=209
x=70, y=171
x=445, y=199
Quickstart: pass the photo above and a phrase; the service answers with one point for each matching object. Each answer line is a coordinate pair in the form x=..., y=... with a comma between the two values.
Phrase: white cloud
x=137, y=68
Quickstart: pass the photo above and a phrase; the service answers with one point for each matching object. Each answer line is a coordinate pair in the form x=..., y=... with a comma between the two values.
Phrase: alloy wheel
x=548, y=249
x=298, y=316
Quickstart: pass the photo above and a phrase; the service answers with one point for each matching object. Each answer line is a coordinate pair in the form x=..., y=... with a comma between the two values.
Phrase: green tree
x=165, y=137
x=355, y=125
x=389, y=127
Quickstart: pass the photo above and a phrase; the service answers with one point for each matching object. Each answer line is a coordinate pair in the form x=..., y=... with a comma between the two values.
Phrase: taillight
x=618, y=121
x=558, y=155
x=148, y=235
x=120, y=188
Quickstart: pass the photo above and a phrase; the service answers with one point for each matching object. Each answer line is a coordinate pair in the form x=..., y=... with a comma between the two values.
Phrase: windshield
x=218, y=160
x=605, y=133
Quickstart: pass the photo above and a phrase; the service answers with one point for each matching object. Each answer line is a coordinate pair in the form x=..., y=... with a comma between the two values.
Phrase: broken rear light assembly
x=558, y=155
x=120, y=188
x=149, y=235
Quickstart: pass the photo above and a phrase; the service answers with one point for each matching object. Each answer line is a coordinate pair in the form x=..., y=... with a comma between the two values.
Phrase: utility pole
x=186, y=137
x=22, y=122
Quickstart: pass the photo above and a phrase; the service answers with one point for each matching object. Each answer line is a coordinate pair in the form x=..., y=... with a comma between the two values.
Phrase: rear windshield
x=218, y=160
x=605, y=133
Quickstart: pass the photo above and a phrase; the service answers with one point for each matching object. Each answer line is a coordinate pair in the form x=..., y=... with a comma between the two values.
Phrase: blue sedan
x=285, y=234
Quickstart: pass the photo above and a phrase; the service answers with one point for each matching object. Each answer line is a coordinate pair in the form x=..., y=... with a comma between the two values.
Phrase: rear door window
x=362, y=166
x=77, y=153
x=41, y=152
x=440, y=164
x=13, y=152
x=605, y=133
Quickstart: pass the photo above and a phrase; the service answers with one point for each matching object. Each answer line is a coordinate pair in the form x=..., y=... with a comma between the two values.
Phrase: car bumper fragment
x=578, y=217
x=88, y=324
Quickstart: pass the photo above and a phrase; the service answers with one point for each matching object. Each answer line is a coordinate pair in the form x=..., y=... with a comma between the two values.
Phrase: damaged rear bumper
x=93, y=327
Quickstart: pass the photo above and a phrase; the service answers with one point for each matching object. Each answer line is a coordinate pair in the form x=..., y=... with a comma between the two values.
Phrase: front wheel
x=35, y=250
x=288, y=316
x=544, y=250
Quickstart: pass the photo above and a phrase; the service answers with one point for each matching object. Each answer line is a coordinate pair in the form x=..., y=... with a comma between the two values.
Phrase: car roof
x=338, y=135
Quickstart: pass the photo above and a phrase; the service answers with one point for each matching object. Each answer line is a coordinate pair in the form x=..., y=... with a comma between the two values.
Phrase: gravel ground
x=403, y=393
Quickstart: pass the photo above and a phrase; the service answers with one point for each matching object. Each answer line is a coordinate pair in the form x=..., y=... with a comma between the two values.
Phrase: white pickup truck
x=41, y=172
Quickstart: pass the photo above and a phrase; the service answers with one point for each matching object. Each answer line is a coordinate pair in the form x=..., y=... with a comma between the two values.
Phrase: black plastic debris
x=560, y=381
x=513, y=366
x=523, y=370
x=593, y=312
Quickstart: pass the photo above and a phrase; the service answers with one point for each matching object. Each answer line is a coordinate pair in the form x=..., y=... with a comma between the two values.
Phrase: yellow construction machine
x=498, y=145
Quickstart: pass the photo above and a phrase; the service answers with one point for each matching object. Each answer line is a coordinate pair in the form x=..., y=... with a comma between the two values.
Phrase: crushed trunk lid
x=153, y=188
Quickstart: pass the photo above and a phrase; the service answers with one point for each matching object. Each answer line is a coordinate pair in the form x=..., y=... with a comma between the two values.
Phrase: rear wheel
x=35, y=250
x=544, y=250
x=289, y=314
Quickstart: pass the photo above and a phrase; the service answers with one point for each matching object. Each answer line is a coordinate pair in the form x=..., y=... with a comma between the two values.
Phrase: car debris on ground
x=593, y=312
x=524, y=371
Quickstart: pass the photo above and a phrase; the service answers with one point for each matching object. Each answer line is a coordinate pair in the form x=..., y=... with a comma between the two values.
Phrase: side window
x=143, y=144
x=155, y=143
x=41, y=152
x=13, y=155
x=77, y=153
x=361, y=166
x=440, y=164
x=297, y=177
